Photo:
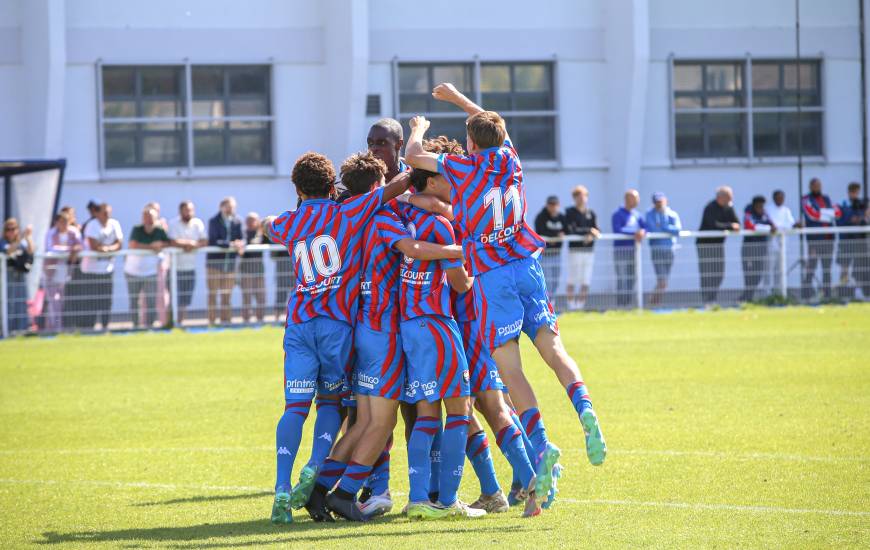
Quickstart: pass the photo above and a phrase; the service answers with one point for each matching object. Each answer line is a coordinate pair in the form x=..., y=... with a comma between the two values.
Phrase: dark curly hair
x=313, y=175
x=360, y=171
x=437, y=145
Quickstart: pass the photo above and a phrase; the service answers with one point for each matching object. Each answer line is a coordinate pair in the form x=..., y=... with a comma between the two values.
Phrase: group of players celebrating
x=410, y=300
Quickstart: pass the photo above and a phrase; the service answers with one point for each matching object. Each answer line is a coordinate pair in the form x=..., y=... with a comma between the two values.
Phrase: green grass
x=738, y=428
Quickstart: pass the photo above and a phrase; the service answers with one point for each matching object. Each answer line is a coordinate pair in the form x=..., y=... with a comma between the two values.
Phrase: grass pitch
x=738, y=428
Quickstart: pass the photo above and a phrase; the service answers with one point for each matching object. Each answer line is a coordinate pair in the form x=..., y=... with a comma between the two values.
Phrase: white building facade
x=198, y=99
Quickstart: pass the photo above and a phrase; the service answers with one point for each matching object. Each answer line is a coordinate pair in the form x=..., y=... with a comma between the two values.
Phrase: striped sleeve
x=360, y=209
x=455, y=168
x=443, y=234
x=280, y=228
x=390, y=228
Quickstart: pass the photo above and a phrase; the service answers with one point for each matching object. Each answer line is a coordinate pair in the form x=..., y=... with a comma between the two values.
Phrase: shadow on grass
x=297, y=532
x=205, y=498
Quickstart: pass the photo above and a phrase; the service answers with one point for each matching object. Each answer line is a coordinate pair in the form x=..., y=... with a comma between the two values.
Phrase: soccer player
x=485, y=383
x=326, y=240
x=379, y=370
x=488, y=198
x=436, y=368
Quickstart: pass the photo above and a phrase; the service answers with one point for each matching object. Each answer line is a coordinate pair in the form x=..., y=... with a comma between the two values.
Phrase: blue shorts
x=315, y=355
x=481, y=366
x=435, y=359
x=379, y=365
x=511, y=299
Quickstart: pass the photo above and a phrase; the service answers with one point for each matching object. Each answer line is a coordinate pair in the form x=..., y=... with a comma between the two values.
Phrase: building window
x=521, y=92
x=720, y=111
x=147, y=115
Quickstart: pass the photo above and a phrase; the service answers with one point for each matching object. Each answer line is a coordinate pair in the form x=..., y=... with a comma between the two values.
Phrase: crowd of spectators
x=76, y=291
x=759, y=251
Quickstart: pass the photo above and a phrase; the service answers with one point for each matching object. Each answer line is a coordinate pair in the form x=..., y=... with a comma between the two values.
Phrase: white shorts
x=581, y=262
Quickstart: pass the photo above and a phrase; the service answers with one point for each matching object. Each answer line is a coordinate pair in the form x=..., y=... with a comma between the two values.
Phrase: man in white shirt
x=782, y=219
x=188, y=233
x=103, y=234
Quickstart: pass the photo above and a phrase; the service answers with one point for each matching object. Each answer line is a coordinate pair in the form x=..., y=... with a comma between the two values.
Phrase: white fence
x=253, y=288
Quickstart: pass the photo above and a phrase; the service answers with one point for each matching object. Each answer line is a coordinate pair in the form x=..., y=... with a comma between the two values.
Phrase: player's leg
x=326, y=426
x=300, y=381
x=364, y=458
x=419, y=458
x=510, y=442
x=478, y=453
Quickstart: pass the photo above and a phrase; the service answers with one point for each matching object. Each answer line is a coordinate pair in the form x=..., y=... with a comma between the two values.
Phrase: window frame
x=748, y=110
x=188, y=169
x=476, y=63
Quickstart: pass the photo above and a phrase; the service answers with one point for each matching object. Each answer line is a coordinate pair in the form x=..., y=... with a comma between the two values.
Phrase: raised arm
x=423, y=250
x=414, y=153
x=448, y=92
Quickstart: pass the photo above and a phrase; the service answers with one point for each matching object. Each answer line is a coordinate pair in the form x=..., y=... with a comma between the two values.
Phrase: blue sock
x=353, y=477
x=330, y=473
x=379, y=479
x=510, y=442
x=534, y=427
x=477, y=451
x=579, y=396
x=452, y=457
x=530, y=450
x=435, y=458
x=419, y=457
x=326, y=426
x=287, y=438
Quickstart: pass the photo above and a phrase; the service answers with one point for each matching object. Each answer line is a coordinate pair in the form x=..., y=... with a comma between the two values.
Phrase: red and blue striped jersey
x=424, y=289
x=379, y=287
x=463, y=304
x=325, y=240
x=489, y=203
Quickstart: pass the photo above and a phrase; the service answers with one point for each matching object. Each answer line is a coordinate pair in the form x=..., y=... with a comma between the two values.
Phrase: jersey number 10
x=324, y=251
x=499, y=202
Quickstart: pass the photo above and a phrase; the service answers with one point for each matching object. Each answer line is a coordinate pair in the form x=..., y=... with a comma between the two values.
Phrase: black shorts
x=186, y=283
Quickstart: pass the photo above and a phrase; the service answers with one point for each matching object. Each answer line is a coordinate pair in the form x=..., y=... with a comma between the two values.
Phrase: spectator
x=102, y=234
x=580, y=220
x=283, y=278
x=818, y=211
x=62, y=238
x=719, y=215
x=19, y=249
x=550, y=222
x=781, y=217
x=754, y=252
x=141, y=270
x=627, y=221
x=661, y=219
x=225, y=231
x=75, y=296
x=162, y=273
x=252, y=274
x=188, y=233
x=852, y=251
x=71, y=214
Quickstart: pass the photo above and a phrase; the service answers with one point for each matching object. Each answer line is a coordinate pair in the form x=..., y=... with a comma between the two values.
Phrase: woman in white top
x=64, y=239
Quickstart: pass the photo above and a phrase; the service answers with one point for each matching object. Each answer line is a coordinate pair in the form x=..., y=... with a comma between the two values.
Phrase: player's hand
x=445, y=92
x=419, y=121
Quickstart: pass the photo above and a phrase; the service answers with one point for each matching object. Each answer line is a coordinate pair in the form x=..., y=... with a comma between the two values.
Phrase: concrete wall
x=612, y=88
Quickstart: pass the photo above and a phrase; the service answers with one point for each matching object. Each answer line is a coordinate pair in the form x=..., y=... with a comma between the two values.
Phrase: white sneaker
x=460, y=509
x=376, y=505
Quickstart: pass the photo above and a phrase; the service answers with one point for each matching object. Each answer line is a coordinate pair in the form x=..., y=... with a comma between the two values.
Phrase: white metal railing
x=782, y=250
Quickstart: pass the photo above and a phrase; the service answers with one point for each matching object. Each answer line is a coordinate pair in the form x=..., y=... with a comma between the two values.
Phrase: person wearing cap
x=550, y=223
x=661, y=219
x=626, y=220
x=580, y=220
x=754, y=252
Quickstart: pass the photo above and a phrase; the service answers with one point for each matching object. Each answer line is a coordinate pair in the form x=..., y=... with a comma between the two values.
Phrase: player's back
x=325, y=240
x=489, y=201
x=424, y=289
x=379, y=284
